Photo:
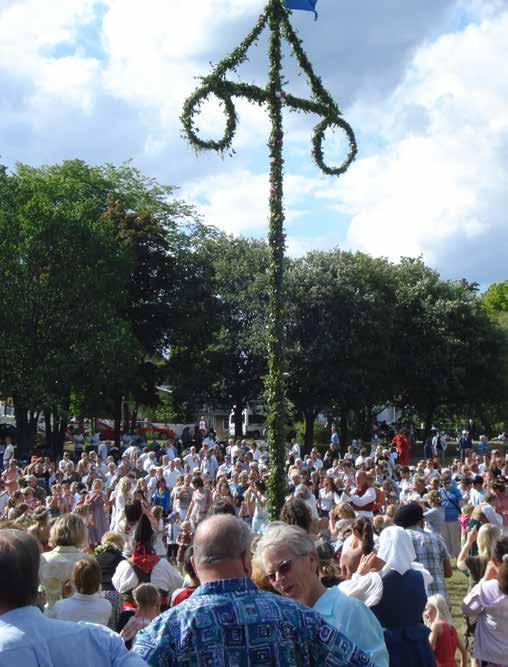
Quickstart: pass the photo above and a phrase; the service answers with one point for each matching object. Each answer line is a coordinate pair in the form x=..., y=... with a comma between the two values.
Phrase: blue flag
x=306, y=5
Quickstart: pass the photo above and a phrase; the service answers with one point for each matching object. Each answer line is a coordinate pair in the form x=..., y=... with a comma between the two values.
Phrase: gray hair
x=280, y=535
x=302, y=492
x=221, y=537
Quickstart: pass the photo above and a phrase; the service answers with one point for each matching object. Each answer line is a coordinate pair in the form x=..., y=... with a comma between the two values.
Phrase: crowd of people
x=168, y=554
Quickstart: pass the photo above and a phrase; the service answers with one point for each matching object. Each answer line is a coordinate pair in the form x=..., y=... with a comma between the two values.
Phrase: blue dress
x=400, y=612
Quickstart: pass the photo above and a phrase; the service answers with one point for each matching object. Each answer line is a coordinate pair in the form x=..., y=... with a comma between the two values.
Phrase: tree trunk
x=117, y=414
x=49, y=430
x=134, y=418
x=343, y=433
x=308, y=440
x=429, y=418
x=25, y=433
x=238, y=420
x=60, y=420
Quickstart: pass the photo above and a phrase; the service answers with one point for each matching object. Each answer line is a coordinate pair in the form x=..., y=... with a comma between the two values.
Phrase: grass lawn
x=457, y=588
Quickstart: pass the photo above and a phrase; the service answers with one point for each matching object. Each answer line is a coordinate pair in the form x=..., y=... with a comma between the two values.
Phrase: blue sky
x=422, y=83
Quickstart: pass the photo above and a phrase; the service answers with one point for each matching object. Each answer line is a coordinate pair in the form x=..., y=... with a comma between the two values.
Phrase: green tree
x=495, y=298
x=62, y=278
x=448, y=349
x=339, y=335
x=226, y=365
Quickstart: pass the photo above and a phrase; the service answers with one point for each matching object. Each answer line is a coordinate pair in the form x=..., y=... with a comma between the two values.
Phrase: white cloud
x=238, y=202
x=27, y=40
x=436, y=187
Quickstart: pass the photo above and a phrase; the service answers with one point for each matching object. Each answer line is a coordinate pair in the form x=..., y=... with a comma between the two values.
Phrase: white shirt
x=8, y=454
x=149, y=462
x=359, y=501
x=193, y=461
x=163, y=576
x=151, y=484
x=170, y=476
x=476, y=497
x=103, y=451
x=296, y=450
x=91, y=608
x=4, y=499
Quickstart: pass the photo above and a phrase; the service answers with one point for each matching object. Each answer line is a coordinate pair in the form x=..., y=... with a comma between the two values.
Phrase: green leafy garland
x=276, y=16
x=216, y=84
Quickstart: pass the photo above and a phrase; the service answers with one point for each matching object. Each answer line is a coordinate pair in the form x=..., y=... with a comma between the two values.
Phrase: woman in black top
x=109, y=555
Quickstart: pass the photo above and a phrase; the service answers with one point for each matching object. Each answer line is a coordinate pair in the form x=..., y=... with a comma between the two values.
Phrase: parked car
x=154, y=430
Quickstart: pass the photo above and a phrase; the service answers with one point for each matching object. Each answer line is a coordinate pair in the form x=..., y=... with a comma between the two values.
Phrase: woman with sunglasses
x=291, y=565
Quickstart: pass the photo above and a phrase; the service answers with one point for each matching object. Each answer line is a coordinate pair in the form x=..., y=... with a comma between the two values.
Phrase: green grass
x=457, y=589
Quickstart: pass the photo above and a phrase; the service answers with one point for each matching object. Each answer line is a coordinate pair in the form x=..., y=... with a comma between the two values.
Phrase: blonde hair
x=68, y=531
x=434, y=498
x=440, y=605
x=345, y=511
x=124, y=485
x=486, y=540
x=113, y=538
x=467, y=510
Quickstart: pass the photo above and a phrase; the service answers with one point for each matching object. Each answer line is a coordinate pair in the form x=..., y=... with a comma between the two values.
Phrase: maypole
x=277, y=17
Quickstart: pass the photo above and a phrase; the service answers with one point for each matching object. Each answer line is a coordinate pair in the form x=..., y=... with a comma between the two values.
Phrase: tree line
x=111, y=286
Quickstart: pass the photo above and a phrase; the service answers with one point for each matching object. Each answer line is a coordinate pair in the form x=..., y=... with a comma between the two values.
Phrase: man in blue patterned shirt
x=229, y=622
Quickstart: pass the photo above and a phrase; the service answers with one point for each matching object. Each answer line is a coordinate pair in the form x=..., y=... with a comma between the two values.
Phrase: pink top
x=135, y=623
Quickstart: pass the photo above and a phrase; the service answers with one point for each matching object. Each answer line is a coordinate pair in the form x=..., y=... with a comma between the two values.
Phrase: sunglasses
x=283, y=569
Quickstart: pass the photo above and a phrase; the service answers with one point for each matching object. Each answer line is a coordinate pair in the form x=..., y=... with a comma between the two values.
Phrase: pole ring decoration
x=317, y=145
x=192, y=106
x=216, y=84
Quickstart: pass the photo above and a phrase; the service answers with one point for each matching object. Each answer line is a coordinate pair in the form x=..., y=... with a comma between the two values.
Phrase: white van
x=253, y=422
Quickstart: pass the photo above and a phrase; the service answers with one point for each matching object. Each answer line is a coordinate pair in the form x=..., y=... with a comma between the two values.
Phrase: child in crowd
x=173, y=531
x=184, y=540
x=87, y=603
x=435, y=516
x=191, y=581
x=464, y=518
x=443, y=636
x=148, y=603
x=159, y=546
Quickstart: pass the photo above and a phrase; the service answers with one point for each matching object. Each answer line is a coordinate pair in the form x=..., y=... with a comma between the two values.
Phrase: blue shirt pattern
x=231, y=623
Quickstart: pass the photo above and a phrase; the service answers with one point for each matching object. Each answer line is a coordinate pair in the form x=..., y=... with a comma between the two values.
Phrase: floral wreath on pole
x=216, y=84
x=277, y=17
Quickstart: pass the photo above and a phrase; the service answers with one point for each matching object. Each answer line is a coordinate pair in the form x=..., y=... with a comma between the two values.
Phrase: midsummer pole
x=277, y=17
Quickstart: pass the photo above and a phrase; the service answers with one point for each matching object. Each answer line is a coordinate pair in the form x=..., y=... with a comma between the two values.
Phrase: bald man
x=227, y=620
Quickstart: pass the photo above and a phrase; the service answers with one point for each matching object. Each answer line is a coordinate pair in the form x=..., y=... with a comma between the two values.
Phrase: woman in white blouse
x=87, y=603
x=145, y=566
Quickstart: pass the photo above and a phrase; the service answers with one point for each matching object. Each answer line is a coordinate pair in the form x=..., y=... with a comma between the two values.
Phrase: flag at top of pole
x=306, y=5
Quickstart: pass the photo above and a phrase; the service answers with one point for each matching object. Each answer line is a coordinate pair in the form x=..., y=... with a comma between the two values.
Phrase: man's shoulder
x=272, y=606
